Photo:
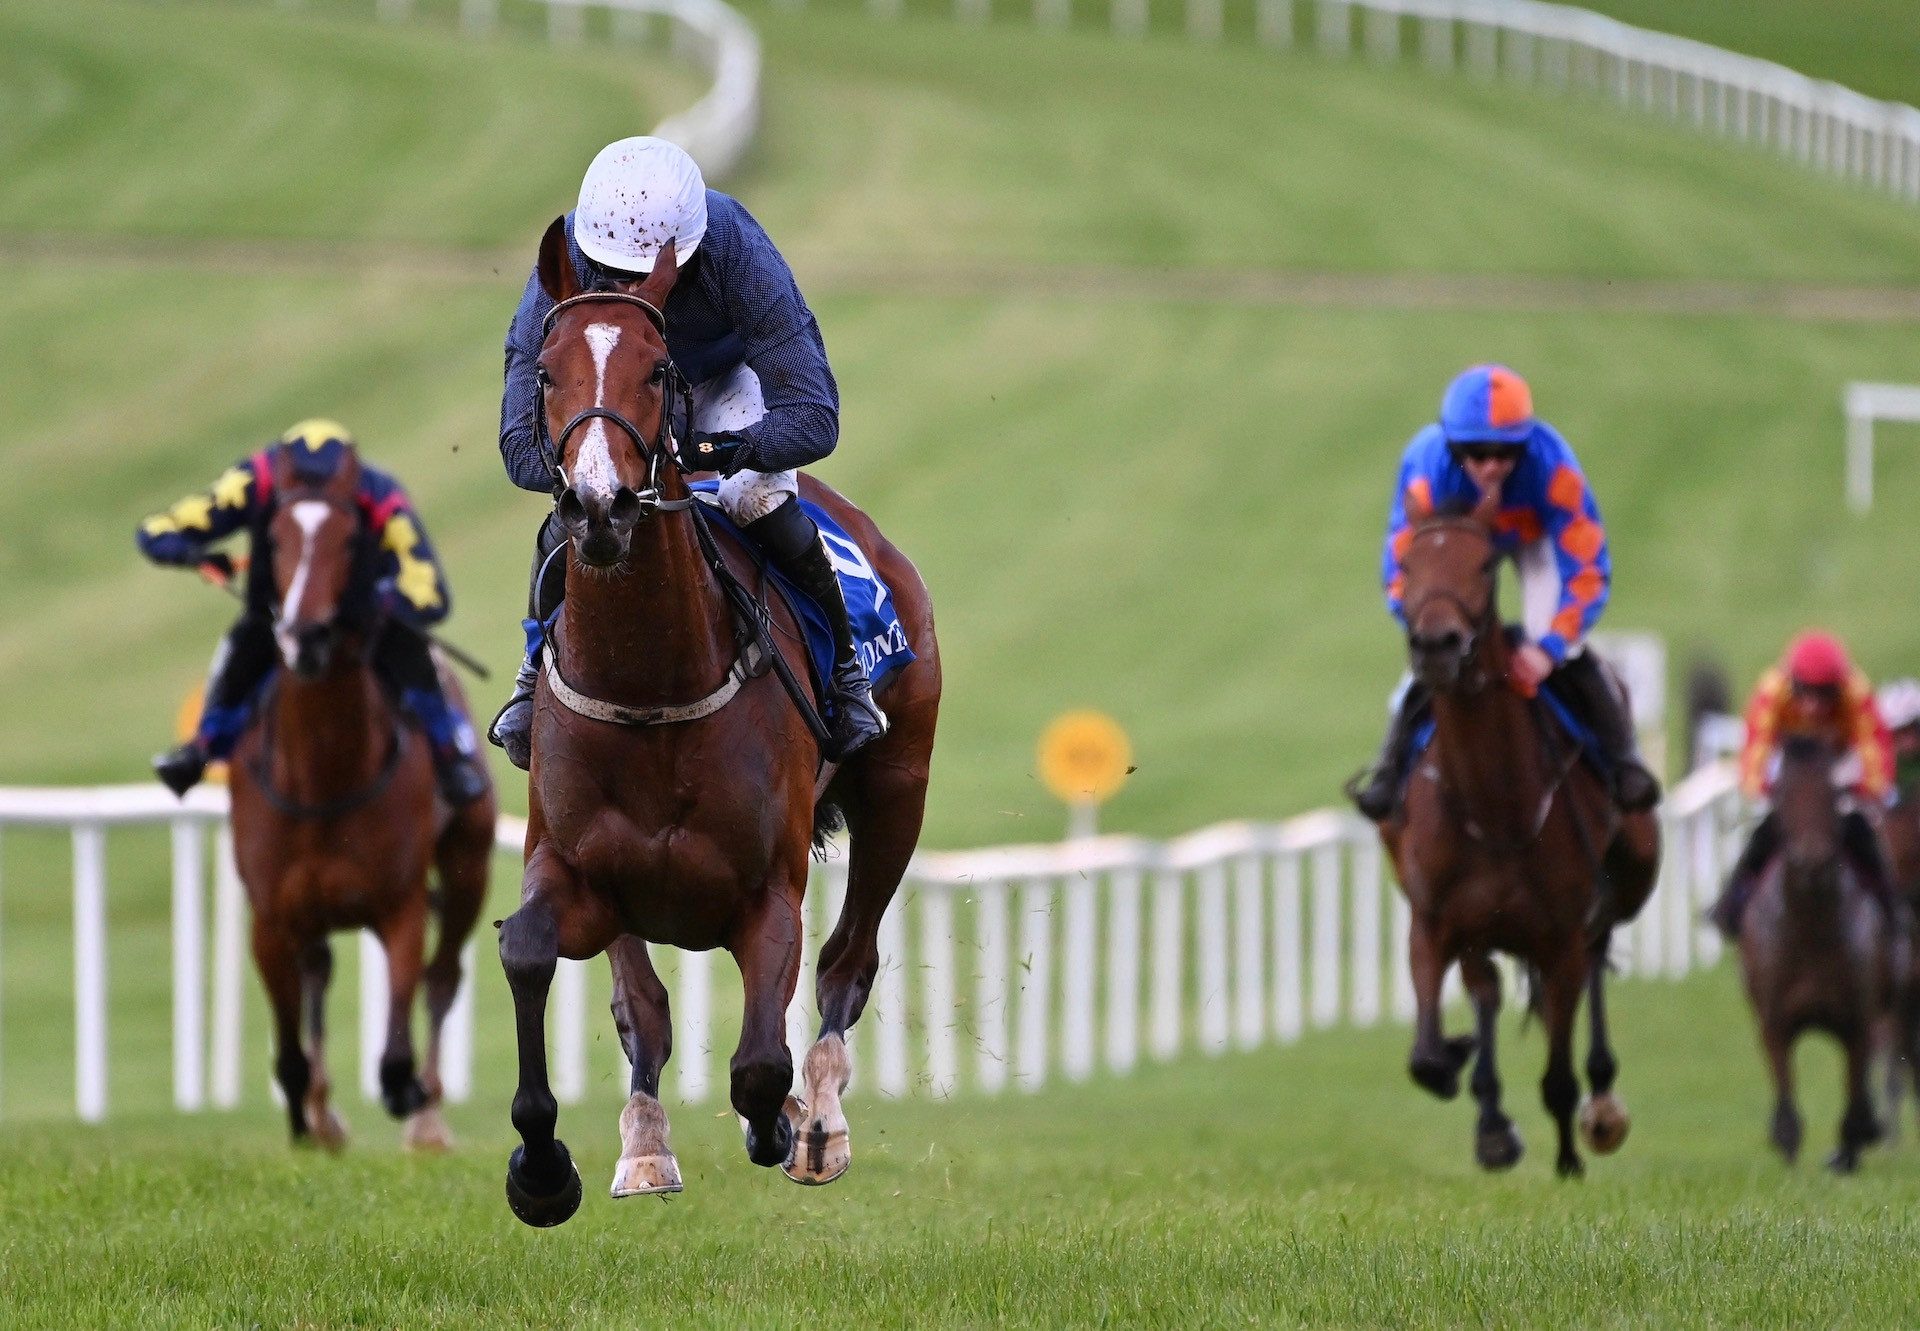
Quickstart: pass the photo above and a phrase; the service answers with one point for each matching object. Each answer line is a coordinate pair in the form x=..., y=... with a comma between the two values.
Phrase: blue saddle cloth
x=1572, y=729
x=877, y=632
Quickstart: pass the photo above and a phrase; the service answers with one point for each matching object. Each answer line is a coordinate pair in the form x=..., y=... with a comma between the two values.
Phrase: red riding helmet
x=1818, y=661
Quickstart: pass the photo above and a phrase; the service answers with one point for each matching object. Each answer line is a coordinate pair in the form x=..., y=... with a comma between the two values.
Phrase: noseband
x=675, y=385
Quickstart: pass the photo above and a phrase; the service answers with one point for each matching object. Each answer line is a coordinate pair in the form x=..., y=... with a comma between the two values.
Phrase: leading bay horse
x=336, y=824
x=689, y=819
x=1814, y=950
x=1507, y=842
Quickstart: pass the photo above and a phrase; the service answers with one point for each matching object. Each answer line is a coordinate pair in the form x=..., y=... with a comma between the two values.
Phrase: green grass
x=1310, y=1184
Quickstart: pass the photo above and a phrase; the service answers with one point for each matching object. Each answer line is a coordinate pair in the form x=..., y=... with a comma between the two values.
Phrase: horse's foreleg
x=316, y=973
x=646, y=1033
x=403, y=935
x=543, y=1187
x=461, y=867
x=1786, y=1129
x=1603, y=1119
x=1496, y=1143
x=278, y=957
x=767, y=950
x=1859, y=1125
x=1436, y=1061
x=1561, y=982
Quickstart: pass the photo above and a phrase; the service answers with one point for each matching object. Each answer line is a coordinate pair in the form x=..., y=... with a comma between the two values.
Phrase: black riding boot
x=1585, y=685
x=402, y=658
x=1862, y=845
x=1376, y=791
x=788, y=535
x=1725, y=913
x=512, y=729
x=244, y=657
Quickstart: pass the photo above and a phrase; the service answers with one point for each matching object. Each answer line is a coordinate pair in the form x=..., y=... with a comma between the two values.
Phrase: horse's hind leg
x=767, y=948
x=1559, y=1089
x=461, y=862
x=316, y=973
x=543, y=1187
x=1603, y=1119
x=1496, y=1143
x=1786, y=1129
x=885, y=805
x=646, y=1032
x=278, y=957
x=404, y=936
x=1436, y=1061
x=1859, y=1126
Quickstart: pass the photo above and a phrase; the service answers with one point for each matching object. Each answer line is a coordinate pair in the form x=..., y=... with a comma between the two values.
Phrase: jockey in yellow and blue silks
x=404, y=592
x=1488, y=440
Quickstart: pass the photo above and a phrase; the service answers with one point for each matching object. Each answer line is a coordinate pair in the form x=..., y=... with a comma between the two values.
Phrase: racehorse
x=1813, y=949
x=1506, y=841
x=1901, y=827
x=688, y=820
x=335, y=825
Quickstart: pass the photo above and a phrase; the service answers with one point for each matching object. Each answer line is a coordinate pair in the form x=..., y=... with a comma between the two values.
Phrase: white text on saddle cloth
x=847, y=557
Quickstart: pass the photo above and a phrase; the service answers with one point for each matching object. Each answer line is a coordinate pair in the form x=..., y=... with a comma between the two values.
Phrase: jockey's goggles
x=1487, y=452
x=1822, y=693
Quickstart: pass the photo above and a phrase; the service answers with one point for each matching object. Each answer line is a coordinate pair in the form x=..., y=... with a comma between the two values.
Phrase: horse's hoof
x=1604, y=1124
x=772, y=1147
x=1844, y=1161
x=1498, y=1148
x=646, y=1176
x=426, y=1132
x=328, y=1131
x=536, y=1207
x=1569, y=1166
x=822, y=1146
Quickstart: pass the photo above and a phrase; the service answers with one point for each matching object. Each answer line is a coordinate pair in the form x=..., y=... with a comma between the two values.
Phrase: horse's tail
x=1535, y=985
x=1709, y=694
x=828, y=819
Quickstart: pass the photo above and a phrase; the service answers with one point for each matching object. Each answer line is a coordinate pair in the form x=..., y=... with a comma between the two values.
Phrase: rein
x=334, y=808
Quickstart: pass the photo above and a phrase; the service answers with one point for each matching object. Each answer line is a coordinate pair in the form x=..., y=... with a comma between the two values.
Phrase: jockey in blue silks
x=1488, y=440
x=764, y=399
x=405, y=592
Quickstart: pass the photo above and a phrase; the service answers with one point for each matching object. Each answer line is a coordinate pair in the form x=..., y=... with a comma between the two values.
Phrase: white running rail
x=1822, y=124
x=1001, y=968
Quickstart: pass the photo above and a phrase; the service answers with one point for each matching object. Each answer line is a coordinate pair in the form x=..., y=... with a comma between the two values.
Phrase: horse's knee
x=529, y=947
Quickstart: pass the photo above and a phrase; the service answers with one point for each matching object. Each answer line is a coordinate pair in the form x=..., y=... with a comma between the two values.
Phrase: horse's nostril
x=572, y=512
x=625, y=509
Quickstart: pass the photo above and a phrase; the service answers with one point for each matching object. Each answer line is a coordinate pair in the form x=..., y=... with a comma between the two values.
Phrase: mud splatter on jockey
x=764, y=401
x=401, y=590
x=1488, y=440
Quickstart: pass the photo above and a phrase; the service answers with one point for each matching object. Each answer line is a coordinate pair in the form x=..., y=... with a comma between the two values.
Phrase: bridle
x=1479, y=621
x=674, y=385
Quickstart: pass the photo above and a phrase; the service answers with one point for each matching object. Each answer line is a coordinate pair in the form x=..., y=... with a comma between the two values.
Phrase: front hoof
x=1440, y=1072
x=401, y=1091
x=426, y=1132
x=822, y=1146
x=535, y=1201
x=646, y=1176
x=1498, y=1148
x=1844, y=1161
x=1604, y=1124
x=771, y=1146
x=1569, y=1166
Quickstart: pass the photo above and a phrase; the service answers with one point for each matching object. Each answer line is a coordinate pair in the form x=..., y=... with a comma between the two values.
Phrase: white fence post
x=1123, y=969
x=1326, y=934
x=373, y=1012
x=456, y=1035
x=1036, y=989
x=1213, y=994
x=1273, y=23
x=90, y=971
x=1289, y=956
x=1249, y=960
x=1364, y=998
x=693, y=1013
x=189, y=963
x=890, y=996
x=1169, y=939
x=1079, y=974
x=993, y=996
x=936, y=960
x=229, y=972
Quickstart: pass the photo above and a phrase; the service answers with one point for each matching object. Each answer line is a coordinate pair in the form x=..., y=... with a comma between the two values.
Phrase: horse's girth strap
x=750, y=662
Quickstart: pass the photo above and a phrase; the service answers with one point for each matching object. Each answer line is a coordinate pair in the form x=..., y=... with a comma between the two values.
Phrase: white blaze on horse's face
x=310, y=515
x=593, y=470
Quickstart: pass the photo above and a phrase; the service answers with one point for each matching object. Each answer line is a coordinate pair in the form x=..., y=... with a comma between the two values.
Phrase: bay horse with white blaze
x=675, y=790
x=1814, y=950
x=336, y=823
x=1507, y=842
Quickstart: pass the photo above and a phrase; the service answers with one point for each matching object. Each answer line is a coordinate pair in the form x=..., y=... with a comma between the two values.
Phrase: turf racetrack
x=1312, y=1184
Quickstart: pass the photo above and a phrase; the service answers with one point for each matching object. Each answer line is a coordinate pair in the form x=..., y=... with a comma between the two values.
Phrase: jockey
x=1899, y=702
x=1818, y=692
x=408, y=594
x=764, y=399
x=1488, y=440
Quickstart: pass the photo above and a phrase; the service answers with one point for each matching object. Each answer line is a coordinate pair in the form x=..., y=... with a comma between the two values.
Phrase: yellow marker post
x=1084, y=759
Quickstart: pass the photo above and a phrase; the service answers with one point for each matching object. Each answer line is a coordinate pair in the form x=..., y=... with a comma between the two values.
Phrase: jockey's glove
x=716, y=450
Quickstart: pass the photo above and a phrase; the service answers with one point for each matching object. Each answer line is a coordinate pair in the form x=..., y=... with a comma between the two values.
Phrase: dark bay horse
x=1506, y=842
x=1813, y=949
x=688, y=821
x=336, y=824
x=1901, y=827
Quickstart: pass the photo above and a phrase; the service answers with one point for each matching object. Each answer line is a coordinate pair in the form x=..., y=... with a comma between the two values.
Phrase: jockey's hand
x=216, y=568
x=387, y=599
x=1529, y=668
x=715, y=450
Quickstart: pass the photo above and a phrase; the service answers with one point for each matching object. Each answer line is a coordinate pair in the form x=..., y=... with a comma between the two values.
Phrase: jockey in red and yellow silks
x=401, y=593
x=1488, y=441
x=1816, y=692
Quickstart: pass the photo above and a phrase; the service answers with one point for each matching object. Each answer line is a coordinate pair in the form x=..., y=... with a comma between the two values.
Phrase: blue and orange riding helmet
x=1488, y=404
x=316, y=449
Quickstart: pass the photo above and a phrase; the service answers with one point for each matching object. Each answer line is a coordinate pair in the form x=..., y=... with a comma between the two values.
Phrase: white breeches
x=732, y=401
x=1540, y=591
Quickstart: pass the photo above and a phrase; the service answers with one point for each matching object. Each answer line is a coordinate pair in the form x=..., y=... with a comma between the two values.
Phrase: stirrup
x=1634, y=787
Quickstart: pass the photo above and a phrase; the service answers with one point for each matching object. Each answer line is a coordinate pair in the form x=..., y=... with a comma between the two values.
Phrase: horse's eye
x=540, y=373
x=659, y=373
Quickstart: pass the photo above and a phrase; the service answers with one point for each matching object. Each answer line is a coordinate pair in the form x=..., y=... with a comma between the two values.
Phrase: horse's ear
x=344, y=485
x=666, y=268
x=557, y=277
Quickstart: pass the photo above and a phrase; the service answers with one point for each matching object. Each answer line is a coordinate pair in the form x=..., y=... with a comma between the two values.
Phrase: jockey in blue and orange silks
x=1488, y=440
x=404, y=591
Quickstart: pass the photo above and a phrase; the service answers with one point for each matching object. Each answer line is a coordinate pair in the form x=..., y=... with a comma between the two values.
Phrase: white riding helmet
x=638, y=194
x=1900, y=703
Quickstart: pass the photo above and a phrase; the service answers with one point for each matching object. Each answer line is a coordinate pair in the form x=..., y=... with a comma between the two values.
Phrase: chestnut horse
x=336, y=822
x=1813, y=949
x=1506, y=842
x=688, y=821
